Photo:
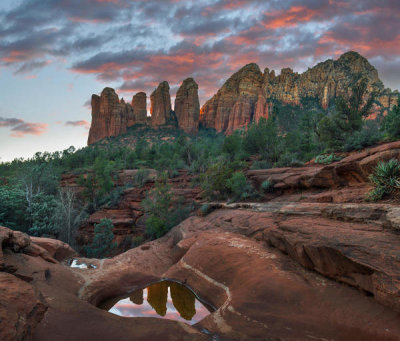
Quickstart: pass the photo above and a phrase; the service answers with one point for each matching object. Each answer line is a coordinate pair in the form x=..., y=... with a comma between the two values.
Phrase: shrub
x=237, y=184
x=326, y=159
x=367, y=136
x=141, y=177
x=267, y=186
x=385, y=178
x=261, y=164
x=206, y=209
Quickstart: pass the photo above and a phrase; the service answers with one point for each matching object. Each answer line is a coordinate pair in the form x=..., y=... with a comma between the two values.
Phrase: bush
x=367, y=136
x=267, y=186
x=326, y=159
x=102, y=244
x=214, y=180
x=141, y=177
x=206, y=209
x=386, y=179
x=237, y=184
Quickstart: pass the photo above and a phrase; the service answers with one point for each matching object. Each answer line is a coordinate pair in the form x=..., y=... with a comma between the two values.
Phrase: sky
x=54, y=54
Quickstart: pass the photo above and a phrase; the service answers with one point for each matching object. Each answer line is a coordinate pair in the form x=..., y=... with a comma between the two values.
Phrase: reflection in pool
x=167, y=299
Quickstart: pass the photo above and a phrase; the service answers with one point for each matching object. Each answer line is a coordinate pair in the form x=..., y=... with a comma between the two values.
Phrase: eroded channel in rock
x=167, y=299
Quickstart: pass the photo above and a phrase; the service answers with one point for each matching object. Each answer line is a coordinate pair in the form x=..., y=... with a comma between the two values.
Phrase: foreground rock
x=253, y=263
x=22, y=262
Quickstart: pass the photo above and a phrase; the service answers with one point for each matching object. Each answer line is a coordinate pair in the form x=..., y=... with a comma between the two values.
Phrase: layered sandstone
x=160, y=109
x=227, y=111
x=187, y=106
x=139, y=105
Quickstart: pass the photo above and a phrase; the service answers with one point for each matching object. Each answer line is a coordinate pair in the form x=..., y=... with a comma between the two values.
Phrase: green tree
x=263, y=139
x=102, y=244
x=391, y=123
x=13, y=208
x=349, y=116
x=232, y=146
x=162, y=209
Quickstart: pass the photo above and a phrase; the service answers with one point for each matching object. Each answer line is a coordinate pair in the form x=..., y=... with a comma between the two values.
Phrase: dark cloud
x=20, y=128
x=138, y=43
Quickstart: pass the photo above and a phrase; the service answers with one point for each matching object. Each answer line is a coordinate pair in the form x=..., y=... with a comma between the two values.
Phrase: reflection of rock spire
x=183, y=300
x=137, y=297
x=157, y=295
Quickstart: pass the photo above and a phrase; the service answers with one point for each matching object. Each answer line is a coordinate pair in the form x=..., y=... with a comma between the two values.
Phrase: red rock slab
x=262, y=294
x=21, y=308
x=56, y=248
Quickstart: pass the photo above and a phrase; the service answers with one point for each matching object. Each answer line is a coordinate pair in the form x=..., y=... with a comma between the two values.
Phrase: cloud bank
x=137, y=44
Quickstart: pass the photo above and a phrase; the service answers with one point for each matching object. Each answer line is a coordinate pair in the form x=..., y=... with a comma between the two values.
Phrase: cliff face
x=187, y=106
x=249, y=93
x=240, y=91
x=160, y=109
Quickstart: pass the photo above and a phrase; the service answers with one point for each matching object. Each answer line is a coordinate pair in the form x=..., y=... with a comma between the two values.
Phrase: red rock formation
x=242, y=87
x=109, y=116
x=324, y=82
x=187, y=106
x=160, y=109
x=139, y=105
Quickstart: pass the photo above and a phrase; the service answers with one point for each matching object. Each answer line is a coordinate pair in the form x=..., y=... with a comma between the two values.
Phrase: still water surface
x=167, y=299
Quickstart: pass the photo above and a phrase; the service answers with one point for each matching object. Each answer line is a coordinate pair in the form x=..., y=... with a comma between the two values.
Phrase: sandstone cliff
x=187, y=106
x=160, y=109
x=249, y=93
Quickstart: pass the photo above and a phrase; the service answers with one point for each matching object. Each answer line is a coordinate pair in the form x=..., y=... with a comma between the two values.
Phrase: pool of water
x=78, y=264
x=166, y=299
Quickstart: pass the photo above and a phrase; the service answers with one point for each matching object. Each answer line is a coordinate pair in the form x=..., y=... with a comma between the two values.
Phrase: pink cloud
x=20, y=128
x=81, y=123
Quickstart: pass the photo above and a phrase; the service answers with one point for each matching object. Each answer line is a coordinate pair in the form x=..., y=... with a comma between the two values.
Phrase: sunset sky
x=55, y=53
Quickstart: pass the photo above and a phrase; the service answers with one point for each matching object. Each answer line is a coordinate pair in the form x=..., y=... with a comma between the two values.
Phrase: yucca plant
x=386, y=179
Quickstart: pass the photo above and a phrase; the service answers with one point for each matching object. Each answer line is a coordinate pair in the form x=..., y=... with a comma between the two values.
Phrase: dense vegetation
x=32, y=200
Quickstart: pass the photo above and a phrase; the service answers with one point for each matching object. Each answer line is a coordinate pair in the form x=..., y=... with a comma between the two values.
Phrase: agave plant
x=386, y=179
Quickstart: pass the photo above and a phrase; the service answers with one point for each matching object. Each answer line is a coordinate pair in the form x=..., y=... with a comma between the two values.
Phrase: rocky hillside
x=249, y=94
x=245, y=97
